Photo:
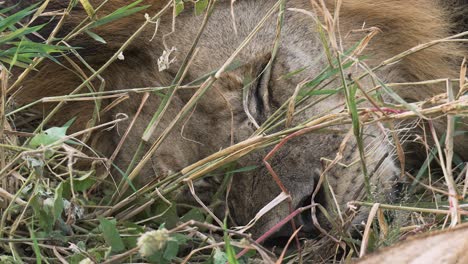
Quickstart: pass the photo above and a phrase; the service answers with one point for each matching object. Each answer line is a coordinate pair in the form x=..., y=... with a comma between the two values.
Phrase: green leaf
x=34, y=47
x=50, y=135
x=119, y=13
x=178, y=7
x=58, y=202
x=80, y=184
x=15, y=18
x=169, y=215
x=111, y=234
x=180, y=238
x=37, y=250
x=23, y=52
x=5, y=10
x=230, y=252
x=19, y=33
x=244, y=169
x=14, y=60
x=125, y=177
x=157, y=258
x=200, y=6
x=43, y=216
x=134, y=229
x=194, y=214
x=172, y=248
x=95, y=37
x=18, y=64
x=219, y=257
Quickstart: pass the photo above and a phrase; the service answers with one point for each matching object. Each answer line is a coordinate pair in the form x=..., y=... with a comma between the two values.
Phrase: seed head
x=152, y=241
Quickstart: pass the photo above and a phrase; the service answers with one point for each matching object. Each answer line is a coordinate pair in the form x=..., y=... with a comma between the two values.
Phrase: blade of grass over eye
x=327, y=74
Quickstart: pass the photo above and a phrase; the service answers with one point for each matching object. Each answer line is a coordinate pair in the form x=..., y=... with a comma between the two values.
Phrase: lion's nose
x=307, y=217
x=305, y=220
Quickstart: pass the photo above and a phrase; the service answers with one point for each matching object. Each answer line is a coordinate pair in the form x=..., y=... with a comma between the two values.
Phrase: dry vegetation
x=53, y=212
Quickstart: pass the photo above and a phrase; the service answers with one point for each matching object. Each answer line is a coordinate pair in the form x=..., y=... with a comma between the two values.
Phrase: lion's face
x=242, y=100
x=322, y=166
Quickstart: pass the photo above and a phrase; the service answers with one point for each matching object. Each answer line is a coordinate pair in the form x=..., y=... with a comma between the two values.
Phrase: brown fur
x=404, y=24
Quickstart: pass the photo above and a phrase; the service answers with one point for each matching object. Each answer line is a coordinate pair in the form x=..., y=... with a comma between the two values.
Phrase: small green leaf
x=119, y=13
x=219, y=257
x=244, y=169
x=19, y=33
x=50, y=135
x=80, y=184
x=10, y=21
x=172, y=248
x=194, y=214
x=178, y=7
x=43, y=216
x=95, y=37
x=111, y=234
x=8, y=9
x=58, y=201
x=200, y=6
x=230, y=252
x=37, y=250
x=180, y=238
x=169, y=217
x=157, y=258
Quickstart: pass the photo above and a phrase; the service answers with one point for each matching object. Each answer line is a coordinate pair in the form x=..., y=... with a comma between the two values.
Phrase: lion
x=270, y=66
